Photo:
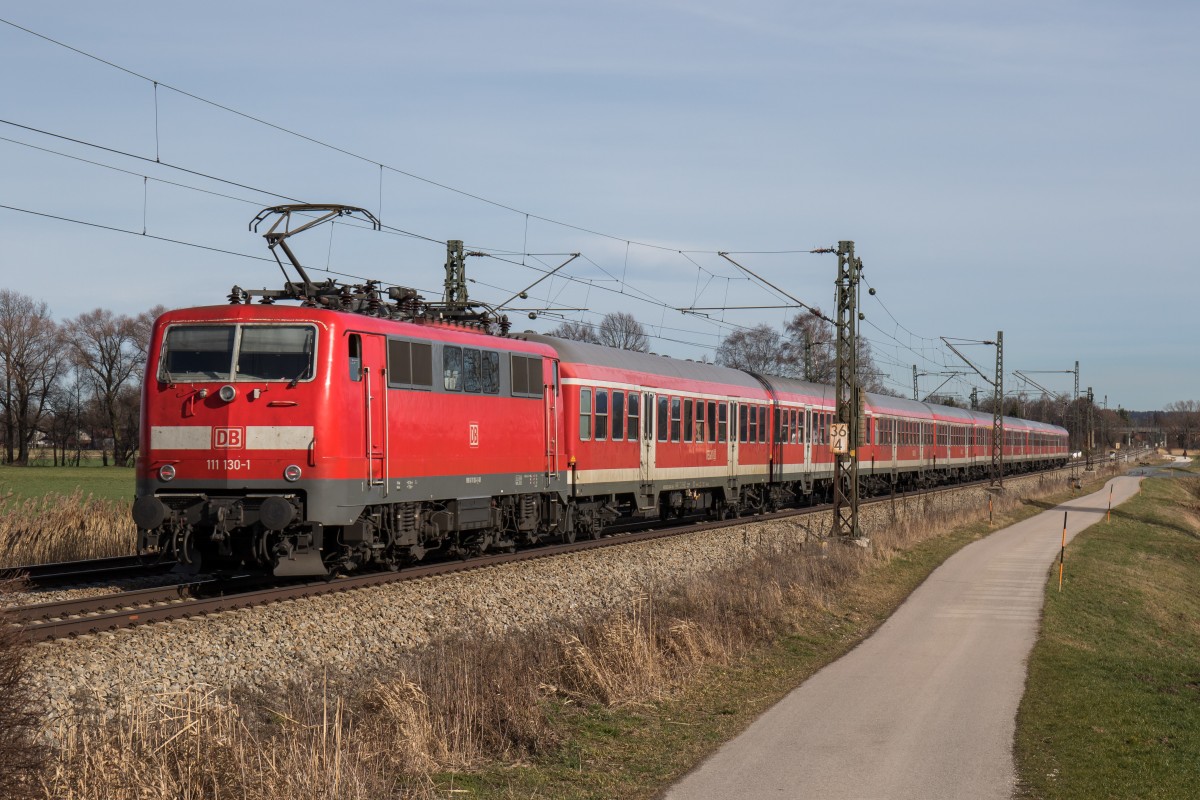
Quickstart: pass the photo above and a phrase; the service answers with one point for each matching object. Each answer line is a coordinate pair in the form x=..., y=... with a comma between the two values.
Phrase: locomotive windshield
x=238, y=352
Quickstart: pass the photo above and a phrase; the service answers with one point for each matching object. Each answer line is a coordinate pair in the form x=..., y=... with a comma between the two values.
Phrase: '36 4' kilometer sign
x=839, y=438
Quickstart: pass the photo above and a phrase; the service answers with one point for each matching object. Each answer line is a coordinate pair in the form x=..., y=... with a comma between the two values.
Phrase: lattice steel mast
x=998, y=415
x=847, y=396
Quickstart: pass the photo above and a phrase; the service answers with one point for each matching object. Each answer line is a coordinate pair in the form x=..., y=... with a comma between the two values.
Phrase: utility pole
x=846, y=393
x=1089, y=436
x=998, y=416
x=974, y=398
x=916, y=394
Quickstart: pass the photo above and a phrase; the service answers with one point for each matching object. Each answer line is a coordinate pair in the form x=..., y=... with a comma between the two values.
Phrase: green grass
x=637, y=752
x=107, y=483
x=1112, y=705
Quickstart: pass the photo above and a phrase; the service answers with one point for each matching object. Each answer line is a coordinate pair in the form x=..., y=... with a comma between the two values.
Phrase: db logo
x=473, y=434
x=229, y=438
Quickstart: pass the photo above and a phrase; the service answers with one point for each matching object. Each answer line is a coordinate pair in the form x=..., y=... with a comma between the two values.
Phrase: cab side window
x=452, y=368
x=354, y=343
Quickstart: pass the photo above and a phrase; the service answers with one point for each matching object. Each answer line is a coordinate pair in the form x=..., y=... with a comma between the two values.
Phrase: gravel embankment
x=358, y=630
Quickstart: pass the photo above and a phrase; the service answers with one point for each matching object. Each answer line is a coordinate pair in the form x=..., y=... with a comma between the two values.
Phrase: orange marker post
x=1062, y=551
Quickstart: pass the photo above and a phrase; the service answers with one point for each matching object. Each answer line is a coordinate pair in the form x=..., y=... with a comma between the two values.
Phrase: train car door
x=646, y=439
x=375, y=411
x=647, y=498
x=806, y=421
x=732, y=455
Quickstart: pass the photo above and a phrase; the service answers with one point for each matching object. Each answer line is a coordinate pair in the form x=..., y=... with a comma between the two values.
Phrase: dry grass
x=64, y=528
x=465, y=703
x=21, y=756
x=193, y=745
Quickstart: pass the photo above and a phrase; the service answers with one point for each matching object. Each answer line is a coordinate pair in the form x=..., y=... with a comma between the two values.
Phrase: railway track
x=66, y=573
x=82, y=616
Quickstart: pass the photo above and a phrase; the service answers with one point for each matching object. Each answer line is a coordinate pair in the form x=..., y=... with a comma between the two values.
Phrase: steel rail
x=83, y=616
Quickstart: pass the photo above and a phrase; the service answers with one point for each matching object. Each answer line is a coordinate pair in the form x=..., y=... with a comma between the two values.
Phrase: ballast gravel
x=362, y=629
x=358, y=631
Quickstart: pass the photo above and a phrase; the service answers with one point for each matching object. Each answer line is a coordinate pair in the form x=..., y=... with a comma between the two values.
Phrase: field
x=1112, y=707
x=64, y=513
x=103, y=483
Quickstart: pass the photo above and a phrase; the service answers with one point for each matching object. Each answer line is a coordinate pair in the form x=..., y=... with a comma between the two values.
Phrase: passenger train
x=302, y=440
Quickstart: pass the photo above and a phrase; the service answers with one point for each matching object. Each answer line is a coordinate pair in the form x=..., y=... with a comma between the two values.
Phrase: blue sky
x=1026, y=167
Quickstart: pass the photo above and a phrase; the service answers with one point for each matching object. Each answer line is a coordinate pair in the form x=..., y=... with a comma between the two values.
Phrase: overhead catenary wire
x=155, y=83
x=622, y=285
x=638, y=293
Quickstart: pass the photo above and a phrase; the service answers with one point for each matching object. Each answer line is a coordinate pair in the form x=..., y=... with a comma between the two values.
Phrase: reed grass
x=72, y=527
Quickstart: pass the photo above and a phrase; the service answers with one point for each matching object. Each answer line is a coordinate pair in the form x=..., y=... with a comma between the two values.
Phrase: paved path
x=926, y=707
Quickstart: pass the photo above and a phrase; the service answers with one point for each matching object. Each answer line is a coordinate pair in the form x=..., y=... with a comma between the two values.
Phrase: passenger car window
x=585, y=414
x=618, y=415
x=601, y=414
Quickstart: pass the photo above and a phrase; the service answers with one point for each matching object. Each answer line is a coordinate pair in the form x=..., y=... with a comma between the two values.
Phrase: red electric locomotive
x=280, y=436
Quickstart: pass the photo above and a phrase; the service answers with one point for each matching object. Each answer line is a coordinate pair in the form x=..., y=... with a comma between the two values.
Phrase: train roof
x=603, y=357
x=460, y=334
x=598, y=355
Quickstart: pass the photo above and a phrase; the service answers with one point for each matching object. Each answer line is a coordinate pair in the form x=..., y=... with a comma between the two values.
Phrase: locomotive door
x=375, y=411
x=550, y=397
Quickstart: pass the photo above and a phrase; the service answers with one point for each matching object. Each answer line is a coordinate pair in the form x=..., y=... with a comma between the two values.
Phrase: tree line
x=70, y=386
x=804, y=349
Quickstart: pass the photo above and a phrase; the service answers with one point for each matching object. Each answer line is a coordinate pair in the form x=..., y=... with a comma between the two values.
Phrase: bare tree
x=109, y=355
x=868, y=375
x=810, y=342
x=1183, y=421
x=30, y=364
x=759, y=349
x=576, y=331
x=622, y=331
x=143, y=327
x=64, y=422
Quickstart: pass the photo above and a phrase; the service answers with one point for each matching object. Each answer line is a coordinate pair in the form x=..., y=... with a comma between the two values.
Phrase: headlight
x=166, y=473
x=291, y=473
x=227, y=393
